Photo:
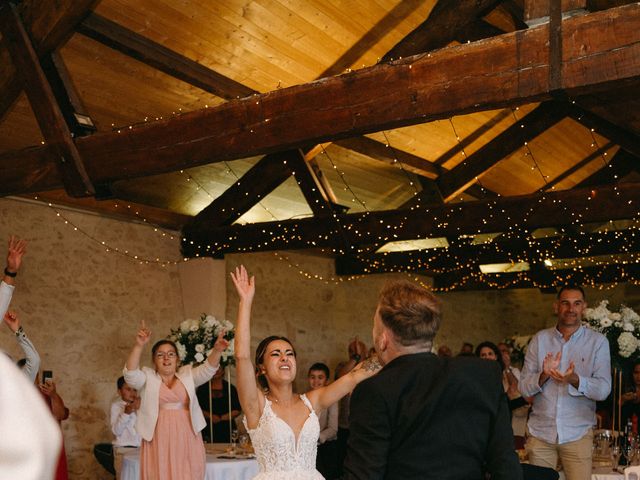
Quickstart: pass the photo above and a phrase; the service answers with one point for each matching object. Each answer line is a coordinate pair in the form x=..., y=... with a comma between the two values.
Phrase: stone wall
x=82, y=305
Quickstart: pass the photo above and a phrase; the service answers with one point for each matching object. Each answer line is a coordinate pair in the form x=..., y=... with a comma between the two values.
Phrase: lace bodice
x=276, y=450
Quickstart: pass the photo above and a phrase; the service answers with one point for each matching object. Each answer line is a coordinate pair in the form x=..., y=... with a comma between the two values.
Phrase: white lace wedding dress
x=278, y=455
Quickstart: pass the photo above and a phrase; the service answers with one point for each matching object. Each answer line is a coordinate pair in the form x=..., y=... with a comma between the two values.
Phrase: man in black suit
x=422, y=416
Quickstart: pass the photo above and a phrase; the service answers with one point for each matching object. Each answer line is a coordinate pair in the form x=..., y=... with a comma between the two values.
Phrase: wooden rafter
x=505, y=251
x=599, y=204
x=49, y=24
x=261, y=179
x=43, y=103
x=420, y=89
x=626, y=139
x=538, y=278
x=389, y=155
x=119, y=209
x=530, y=126
x=599, y=153
x=618, y=167
x=157, y=56
x=445, y=21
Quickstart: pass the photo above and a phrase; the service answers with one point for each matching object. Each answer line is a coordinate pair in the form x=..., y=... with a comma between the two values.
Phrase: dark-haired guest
x=326, y=461
x=216, y=399
x=169, y=419
x=567, y=369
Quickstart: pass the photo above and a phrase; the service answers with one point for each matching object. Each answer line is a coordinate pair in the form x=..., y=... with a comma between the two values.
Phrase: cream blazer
x=147, y=382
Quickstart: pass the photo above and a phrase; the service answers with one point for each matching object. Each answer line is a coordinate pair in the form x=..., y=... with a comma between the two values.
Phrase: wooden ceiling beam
x=618, y=167
x=118, y=208
x=568, y=207
x=627, y=140
x=258, y=182
x=67, y=97
x=539, y=278
x=158, y=56
x=310, y=185
x=538, y=10
x=43, y=103
x=446, y=20
x=599, y=153
x=417, y=90
x=530, y=126
x=50, y=25
x=529, y=250
x=391, y=156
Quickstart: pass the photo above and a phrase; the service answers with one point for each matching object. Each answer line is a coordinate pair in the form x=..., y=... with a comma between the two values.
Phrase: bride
x=283, y=426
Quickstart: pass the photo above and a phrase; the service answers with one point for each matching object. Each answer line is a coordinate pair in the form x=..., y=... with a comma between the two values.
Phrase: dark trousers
x=327, y=460
x=341, y=448
x=104, y=455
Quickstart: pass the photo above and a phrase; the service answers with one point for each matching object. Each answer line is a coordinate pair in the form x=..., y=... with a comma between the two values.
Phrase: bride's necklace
x=270, y=396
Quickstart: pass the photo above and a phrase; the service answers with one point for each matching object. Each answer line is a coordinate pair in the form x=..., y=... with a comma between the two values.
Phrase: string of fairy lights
x=471, y=274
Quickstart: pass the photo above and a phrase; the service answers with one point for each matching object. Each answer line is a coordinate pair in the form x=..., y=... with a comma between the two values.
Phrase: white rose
x=210, y=320
x=199, y=357
x=615, y=316
x=627, y=344
x=605, y=322
x=182, y=351
x=627, y=327
x=185, y=325
x=199, y=348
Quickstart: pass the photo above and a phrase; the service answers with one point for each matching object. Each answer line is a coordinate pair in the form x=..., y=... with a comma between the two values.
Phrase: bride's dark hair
x=261, y=350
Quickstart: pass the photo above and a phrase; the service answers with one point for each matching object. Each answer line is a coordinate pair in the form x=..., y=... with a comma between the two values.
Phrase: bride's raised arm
x=251, y=398
x=326, y=396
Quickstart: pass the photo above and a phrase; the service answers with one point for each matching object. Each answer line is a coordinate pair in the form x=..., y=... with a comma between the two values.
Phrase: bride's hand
x=245, y=285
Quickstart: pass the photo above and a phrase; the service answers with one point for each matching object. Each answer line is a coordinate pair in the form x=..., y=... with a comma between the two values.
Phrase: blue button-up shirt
x=562, y=413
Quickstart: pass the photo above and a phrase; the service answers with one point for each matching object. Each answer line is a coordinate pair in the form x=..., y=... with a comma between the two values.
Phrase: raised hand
x=17, y=248
x=221, y=343
x=144, y=335
x=12, y=321
x=245, y=285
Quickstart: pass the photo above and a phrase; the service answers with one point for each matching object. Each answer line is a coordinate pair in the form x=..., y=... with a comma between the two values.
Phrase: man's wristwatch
x=10, y=274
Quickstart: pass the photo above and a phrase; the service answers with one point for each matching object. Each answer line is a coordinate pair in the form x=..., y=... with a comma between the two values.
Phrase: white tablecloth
x=217, y=468
x=606, y=473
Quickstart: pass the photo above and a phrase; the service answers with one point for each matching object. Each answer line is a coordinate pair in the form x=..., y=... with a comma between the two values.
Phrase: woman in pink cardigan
x=169, y=419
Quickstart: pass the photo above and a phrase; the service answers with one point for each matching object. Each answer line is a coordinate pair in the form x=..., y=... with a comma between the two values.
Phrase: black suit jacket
x=425, y=417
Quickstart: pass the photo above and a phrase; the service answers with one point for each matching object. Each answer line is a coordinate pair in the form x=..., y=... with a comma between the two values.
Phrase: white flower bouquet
x=621, y=328
x=195, y=338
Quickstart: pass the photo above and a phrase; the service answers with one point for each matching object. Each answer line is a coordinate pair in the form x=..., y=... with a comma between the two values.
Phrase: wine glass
x=615, y=453
x=234, y=439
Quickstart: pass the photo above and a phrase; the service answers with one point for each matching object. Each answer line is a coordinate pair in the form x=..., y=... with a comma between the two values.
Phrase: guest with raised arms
x=169, y=419
x=17, y=248
x=283, y=426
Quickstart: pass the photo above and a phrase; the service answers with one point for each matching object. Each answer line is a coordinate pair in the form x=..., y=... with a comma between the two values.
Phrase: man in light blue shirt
x=567, y=369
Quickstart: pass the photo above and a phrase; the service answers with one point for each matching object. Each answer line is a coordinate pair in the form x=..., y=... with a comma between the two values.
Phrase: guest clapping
x=169, y=419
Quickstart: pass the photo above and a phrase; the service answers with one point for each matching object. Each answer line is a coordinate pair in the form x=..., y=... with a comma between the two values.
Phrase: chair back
x=632, y=473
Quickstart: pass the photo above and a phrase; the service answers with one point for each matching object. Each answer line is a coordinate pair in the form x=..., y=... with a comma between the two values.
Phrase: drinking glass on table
x=615, y=453
x=234, y=439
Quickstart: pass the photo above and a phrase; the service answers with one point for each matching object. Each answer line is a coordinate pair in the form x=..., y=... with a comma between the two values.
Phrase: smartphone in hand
x=46, y=375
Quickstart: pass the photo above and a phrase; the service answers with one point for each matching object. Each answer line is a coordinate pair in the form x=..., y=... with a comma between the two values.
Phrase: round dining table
x=221, y=465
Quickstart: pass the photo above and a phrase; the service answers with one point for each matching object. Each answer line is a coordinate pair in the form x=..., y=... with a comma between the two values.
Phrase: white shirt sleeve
x=6, y=292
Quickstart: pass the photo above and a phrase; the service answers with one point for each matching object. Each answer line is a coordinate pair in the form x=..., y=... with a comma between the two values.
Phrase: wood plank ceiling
x=511, y=137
